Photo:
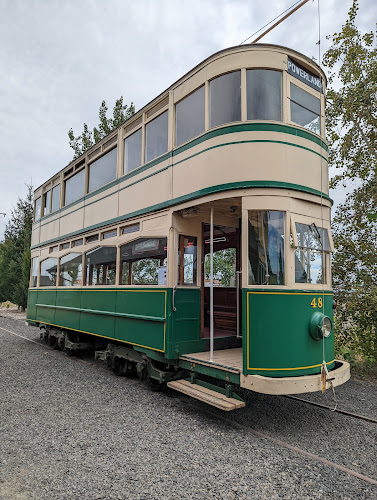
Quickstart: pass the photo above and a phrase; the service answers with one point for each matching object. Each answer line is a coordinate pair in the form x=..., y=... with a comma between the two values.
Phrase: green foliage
x=224, y=267
x=351, y=121
x=84, y=141
x=15, y=253
x=351, y=117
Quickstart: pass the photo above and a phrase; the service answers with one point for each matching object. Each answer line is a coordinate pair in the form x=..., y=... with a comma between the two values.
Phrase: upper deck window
x=47, y=202
x=225, y=99
x=189, y=116
x=305, y=109
x=103, y=170
x=55, y=202
x=74, y=187
x=264, y=101
x=132, y=151
x=156, y=140
x=37, y=209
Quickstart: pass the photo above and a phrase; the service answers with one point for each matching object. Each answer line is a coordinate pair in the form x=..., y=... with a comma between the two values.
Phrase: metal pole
x=211, y=291
x=281, y=20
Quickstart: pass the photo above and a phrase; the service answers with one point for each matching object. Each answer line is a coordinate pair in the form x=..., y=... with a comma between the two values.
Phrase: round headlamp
x=320, y=326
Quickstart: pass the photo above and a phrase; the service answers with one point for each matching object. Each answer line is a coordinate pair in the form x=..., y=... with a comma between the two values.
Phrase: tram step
x=208, y=396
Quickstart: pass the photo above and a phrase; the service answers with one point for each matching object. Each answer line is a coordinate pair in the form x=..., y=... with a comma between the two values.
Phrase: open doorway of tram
x=226, y=219
x=226, y=282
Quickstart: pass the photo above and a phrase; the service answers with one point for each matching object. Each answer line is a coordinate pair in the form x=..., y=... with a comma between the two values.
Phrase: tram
x=193, y=242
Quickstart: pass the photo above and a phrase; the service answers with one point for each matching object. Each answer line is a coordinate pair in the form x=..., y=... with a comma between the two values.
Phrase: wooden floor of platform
x=225, y=359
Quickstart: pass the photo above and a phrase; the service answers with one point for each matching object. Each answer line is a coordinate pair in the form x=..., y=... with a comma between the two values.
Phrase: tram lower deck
x=270, y=298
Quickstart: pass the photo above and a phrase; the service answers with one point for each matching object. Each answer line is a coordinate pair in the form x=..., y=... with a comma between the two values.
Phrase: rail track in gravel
x=259, y=434
x=335, y=410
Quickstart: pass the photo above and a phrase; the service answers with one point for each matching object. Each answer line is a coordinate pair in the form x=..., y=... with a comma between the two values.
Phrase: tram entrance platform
x=229, y=360
x=226, y=366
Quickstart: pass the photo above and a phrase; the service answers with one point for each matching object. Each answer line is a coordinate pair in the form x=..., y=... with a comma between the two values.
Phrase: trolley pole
x=211, y=291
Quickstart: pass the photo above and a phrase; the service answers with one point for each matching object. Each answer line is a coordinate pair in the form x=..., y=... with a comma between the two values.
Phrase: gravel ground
x=70, y=429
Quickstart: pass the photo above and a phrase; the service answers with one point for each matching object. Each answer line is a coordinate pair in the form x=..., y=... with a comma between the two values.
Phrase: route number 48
x=314, y=303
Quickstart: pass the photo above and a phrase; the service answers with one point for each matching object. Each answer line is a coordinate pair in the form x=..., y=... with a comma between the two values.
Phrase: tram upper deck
x=248, y=117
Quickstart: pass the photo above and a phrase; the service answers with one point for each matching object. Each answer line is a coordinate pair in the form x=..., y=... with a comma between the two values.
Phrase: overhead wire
x=277, y=17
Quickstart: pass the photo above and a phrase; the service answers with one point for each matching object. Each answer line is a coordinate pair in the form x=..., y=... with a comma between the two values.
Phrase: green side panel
x=69, y=300
x=45, y=306
x=31, y=304
x=276, y=337
x=97, y=307
x=185, y=323
x=141, y=317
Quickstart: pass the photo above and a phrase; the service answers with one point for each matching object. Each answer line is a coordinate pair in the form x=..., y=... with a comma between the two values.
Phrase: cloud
x=60, y=59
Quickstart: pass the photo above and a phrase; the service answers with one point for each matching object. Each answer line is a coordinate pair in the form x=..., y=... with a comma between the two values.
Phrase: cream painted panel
x=260, y=59
x=101, y=210
x=45, y=252
x=72, y=222
x=100, y=195
x=304, y=168
x=156, y=222
x=189, y=85
x=151, y=191
x=49, y=230
x=231, y=163
x=35, y=236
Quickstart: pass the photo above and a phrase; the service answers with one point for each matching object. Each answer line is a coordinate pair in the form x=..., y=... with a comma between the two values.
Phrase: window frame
x=203, y=86
x=208, y=104
x=146, y=122
x=325, y=224
x=138, y=128
x=282, y=111
x=95, y=159
x=144, y=236
x=57, y=272
x=95, y=247
x=315, y=93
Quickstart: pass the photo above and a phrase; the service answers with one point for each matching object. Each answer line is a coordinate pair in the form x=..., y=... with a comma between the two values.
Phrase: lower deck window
x=48, y=272
x=101, y=266
x=144, y=262
x=70, y=273
x=310, y=256
x=34, y=271
x=266, y=247
x=187, y=260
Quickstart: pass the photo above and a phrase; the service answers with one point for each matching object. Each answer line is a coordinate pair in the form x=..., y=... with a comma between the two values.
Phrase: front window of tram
x=310, y=254
x=266, y=247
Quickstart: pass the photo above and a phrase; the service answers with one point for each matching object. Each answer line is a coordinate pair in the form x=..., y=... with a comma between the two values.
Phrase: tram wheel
x=118, y=366
x=154, y=384
x=53, y=341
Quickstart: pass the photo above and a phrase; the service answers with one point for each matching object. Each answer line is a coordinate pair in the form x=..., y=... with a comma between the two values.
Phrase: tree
x=84, y=141
x=351, y=120
x=15, y=252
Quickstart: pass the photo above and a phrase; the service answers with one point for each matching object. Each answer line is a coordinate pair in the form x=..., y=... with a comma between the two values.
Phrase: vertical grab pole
x=238, y=274
x=211, y=291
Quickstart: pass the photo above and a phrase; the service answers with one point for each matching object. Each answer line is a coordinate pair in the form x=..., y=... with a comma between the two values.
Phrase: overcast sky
x=60, y=58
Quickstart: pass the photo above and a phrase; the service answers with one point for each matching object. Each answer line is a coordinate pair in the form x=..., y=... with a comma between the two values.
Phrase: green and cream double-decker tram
x=195, y=239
